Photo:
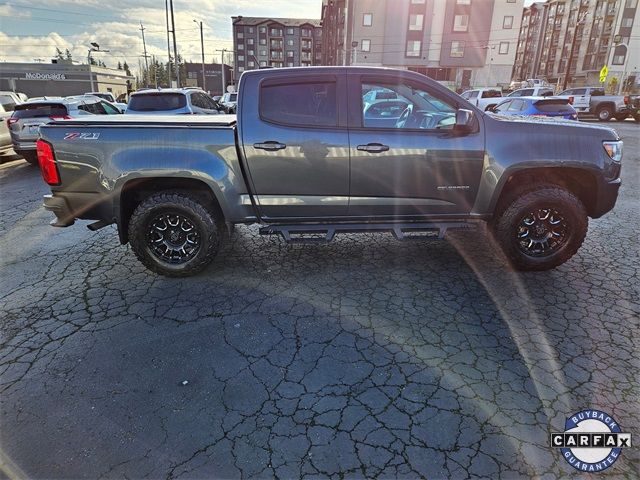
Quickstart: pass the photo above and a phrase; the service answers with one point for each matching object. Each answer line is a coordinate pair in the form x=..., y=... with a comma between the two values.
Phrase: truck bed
x=155, y=120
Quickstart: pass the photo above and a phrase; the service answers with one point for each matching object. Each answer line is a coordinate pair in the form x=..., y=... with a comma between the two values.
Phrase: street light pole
x=204, y=82
x=175, y=45
x=626, y=62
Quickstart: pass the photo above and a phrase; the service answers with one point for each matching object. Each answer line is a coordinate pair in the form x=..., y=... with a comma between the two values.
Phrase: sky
x=31, y=31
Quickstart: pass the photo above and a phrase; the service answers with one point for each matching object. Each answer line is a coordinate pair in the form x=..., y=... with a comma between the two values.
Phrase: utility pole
x=144, y=46
x=204, y=81
x=224, y=90
x=166, y=13
x=175, y=45
x=579, y=23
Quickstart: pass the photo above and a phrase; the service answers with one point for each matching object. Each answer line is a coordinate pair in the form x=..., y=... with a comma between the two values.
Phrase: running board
x=324, y=233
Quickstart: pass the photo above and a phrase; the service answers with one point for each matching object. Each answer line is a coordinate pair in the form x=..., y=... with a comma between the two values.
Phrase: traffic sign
x=604, y=71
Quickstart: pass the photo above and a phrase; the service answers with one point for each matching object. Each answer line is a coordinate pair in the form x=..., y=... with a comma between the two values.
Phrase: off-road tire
x=31, y=158
x=187, y=206
x=636, y=117
x=505, y=226
x=604, y=113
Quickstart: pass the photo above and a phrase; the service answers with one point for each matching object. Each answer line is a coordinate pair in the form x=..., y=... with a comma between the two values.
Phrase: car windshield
x=151, y=102
x=33, y=110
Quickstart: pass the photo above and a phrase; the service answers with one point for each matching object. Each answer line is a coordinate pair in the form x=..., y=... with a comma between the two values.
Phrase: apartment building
x=601, y=32
x=461, y=43
x=276, y=42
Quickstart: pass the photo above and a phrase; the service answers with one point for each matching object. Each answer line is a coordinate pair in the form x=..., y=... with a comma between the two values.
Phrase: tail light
x=11, y=121
x=627, y=100
x=47, y=162
x=570, y=100
x=60, y=117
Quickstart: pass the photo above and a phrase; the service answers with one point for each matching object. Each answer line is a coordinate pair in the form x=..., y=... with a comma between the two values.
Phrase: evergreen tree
x=59, y=55
x=125, y=66
x=92, y=61
x=119, y=66
x=67, y=54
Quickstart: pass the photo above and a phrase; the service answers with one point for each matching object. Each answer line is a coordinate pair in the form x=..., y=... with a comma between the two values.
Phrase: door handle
x=373, y=148
x=270, y=146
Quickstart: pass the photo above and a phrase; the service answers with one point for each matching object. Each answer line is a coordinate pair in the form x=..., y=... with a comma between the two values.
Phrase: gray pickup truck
x=308, y=158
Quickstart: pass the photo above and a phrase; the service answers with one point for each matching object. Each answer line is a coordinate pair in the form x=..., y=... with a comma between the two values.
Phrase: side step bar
x=324, y=233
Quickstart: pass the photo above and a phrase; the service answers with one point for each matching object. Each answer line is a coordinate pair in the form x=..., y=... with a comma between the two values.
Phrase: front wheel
x=174, y=234
x=541, y=229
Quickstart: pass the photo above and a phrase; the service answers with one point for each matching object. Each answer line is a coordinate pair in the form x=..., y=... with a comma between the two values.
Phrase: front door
x=406, y=158
x=297, y=147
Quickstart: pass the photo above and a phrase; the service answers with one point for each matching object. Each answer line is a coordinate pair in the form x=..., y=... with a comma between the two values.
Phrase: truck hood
x=560, y=122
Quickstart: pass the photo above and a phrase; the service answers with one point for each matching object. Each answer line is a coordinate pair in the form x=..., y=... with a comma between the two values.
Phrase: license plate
x=33, y=129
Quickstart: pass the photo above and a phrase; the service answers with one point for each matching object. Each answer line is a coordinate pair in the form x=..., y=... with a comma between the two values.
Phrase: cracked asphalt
x=366, y=357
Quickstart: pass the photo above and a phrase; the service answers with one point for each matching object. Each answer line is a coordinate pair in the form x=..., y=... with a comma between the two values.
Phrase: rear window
x=8, y=103
x=233, y=97
x=300, y=104
x=553, y=106
x=39, y=110
x=151, y=102
x=491, y=94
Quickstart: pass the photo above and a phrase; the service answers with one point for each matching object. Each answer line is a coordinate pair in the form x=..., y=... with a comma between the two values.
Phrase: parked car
x=595, y=101
x=171, y=101
x=483, y=98
x=532, y=92
x=5, y=137
x=16, y=97
x=230, y=102
x=302, y=161
x=27, y=118
x=378, y=95
x=537, y=106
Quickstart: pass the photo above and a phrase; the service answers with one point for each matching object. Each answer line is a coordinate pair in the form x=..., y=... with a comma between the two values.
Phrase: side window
x=579, y=91
x=196, y=101
x=473, y=95
x=8, y=103
x=516, y=106
x=109, y=109
x=405, y=106
x=94, y=108
x=300, y=104
x=503, y=107
x=527, y=92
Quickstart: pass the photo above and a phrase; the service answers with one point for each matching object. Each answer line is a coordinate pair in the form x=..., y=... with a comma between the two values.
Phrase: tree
x=119, y=66
x=67, y=55
x=125, y=66
x=92, y=61
x=59, y=55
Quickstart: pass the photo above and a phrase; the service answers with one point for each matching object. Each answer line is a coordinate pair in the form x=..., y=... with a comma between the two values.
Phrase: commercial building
x=594, y=33
x=213, y=77
x=461, y=43
x=62, y=78
x=276, y=42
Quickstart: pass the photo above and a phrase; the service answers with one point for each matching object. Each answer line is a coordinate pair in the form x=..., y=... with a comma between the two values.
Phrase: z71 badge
x=81, y=136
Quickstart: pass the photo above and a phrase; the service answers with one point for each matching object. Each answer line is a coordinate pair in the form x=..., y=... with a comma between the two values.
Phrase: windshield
x=151, y=102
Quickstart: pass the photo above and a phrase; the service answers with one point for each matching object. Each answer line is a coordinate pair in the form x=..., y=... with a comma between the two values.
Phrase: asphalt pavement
x=364, y=357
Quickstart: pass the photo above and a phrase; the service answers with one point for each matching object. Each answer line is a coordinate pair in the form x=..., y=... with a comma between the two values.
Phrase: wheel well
x=577, y=181
x=135, y=191
x=608, y=105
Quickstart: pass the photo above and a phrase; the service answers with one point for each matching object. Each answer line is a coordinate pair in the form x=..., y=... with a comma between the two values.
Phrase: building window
x=290, y=42
x=365, y=46
x=250, y=29
x=262, y=29
x=251, y=63
x=457, y=49
x=240, y=35
x=241, y=58
x=503, y=49
x=263, y=63
x=240, y=46
x=507, y=22
x=305, y=32
x=627, y=22
x=417, y=2
x=249, y=41
x=511, y=1
x=250, y=52
x=618, y=59
x=289, y=64
x=413, y=48
x=276, y=32
x=367, y=19
x=263, y=53
x=241, y=69
x=290, y=53
x=263, y=41
x=463, y=2
x=461, y=23
x=289, y=31
x=631, y=4
x=415, y=21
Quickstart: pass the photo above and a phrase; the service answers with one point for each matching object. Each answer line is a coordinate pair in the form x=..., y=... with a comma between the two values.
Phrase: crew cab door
x=581, y=99
x=296, y=144
x=406, y=158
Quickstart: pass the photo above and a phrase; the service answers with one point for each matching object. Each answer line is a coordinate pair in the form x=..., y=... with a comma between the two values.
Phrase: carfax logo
x=592, y=441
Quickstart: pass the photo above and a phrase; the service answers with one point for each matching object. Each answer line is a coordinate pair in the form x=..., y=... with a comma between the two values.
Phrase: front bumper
x=606, y=197
x=61, y=209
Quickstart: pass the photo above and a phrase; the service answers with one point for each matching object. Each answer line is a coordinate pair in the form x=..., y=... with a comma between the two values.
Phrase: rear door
x=414, y=164
x=297, y=146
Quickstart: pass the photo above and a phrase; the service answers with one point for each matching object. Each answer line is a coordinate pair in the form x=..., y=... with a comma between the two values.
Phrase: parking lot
x=363, y=357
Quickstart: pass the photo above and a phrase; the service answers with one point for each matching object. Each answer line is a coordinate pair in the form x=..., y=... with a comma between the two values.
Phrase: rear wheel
x=541, y=229
x=174, y=234
x=636, y=117
x=621, y=117
x=604, y=113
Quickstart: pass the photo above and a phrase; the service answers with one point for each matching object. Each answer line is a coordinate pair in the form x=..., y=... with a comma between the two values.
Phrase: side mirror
x=464, y=120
